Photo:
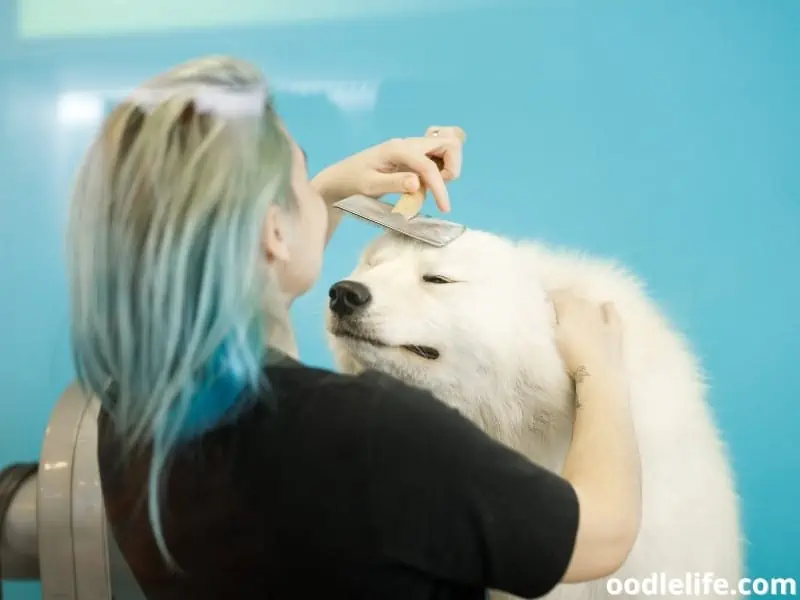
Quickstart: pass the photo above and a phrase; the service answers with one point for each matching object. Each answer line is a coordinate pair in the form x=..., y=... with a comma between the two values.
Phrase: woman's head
x=192, y=226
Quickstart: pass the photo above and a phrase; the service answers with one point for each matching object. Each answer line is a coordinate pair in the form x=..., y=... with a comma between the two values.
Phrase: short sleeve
x=450, y=501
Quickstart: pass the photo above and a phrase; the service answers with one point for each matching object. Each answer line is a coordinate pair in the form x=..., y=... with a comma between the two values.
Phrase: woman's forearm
x=326, y=185
x=603, y=466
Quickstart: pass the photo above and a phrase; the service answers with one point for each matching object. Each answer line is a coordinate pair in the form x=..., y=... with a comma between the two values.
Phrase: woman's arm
x=603, y=462
x=327, y=186
x=603, y=467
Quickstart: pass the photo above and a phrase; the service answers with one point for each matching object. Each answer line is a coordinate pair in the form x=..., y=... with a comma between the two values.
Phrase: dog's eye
x=436, y=279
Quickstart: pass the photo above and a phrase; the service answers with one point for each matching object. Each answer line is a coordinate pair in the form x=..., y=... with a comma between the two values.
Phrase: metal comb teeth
x=435, y=232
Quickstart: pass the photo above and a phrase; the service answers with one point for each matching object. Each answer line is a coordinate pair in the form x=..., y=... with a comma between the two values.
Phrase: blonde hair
x=170, y=297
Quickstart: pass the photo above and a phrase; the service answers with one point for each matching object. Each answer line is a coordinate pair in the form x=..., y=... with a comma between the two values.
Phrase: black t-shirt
x=341, y=487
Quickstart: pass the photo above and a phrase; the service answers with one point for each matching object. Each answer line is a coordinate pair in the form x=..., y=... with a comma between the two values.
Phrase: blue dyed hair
x=170, y=295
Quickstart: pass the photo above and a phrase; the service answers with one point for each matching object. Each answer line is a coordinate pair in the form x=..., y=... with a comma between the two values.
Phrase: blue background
x=663, y=133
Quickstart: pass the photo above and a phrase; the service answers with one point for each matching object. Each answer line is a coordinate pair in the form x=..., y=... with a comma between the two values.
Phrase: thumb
x=392, y=183
x=610, y=315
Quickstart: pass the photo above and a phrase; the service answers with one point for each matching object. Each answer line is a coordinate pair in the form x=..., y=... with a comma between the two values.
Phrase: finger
x=411, y=156
x=448, y=151
x=381, y=184
x=553, y=312
x=434, y=181
x=561, y=300
x=445, y=131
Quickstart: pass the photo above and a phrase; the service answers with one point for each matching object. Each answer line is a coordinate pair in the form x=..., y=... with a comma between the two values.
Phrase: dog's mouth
x=426, y=352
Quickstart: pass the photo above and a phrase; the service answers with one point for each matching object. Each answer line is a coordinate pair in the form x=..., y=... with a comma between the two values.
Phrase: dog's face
x=469, y=321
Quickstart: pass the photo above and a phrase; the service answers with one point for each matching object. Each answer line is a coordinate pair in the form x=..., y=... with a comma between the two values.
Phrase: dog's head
x=469, y=322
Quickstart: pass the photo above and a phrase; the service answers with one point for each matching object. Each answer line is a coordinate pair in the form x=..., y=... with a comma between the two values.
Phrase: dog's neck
x=532, y=418
x=541, y=428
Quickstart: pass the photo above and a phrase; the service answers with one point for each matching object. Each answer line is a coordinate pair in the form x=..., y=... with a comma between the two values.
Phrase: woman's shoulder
x=391, y=409
x=370, y=398
x=287, y=377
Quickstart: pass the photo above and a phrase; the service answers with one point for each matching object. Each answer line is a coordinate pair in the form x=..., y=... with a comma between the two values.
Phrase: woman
x=228, y=470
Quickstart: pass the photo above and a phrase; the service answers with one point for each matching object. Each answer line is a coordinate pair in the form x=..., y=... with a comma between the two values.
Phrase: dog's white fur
x=500, y=367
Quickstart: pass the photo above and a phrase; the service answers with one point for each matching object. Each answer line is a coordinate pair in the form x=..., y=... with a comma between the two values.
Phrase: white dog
x=471, y=323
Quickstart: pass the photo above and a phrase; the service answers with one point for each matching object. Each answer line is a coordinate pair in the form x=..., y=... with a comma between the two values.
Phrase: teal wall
x=665, y=133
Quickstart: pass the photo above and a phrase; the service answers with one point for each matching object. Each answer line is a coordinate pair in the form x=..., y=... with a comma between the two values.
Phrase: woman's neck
x=282, y=338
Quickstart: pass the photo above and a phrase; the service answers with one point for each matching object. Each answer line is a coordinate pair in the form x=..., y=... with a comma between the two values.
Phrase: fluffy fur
x=492, y=325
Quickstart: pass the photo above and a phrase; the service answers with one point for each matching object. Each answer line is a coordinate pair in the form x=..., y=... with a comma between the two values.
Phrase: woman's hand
x=589, y=337
x=399, y=165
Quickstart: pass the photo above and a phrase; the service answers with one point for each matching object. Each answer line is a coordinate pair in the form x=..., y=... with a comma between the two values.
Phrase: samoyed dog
x=471, y=322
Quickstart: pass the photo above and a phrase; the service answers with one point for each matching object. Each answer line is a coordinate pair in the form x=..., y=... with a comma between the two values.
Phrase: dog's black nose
x=348, y=296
